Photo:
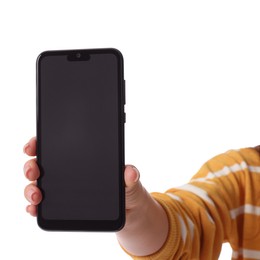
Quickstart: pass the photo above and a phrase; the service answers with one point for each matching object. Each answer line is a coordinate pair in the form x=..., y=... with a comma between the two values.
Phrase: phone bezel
x=86, y=225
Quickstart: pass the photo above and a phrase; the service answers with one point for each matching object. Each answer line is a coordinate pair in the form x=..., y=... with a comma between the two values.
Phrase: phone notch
x=78, y=56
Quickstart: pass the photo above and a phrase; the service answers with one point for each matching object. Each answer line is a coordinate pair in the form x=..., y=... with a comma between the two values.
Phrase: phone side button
x=124, y=117
x=124, y=91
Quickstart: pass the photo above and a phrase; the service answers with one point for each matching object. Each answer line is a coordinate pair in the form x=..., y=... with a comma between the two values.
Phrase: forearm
x=146, y=228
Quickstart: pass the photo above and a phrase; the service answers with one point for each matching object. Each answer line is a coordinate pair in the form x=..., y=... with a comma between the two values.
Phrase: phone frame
x=85, y=225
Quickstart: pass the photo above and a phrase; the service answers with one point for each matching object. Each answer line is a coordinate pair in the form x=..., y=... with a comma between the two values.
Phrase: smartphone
x=80, y=140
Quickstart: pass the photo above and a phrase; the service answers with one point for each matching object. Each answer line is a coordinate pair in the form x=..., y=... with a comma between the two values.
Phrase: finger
x=32, y=209
x=30, y=147
x=135, y=193
x=31, y=170
x=33, y=194
x=132, y=175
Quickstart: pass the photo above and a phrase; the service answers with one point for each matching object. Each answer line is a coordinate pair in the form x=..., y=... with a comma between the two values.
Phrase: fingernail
x=35, y=197
x=31, y=194
x=26, y=147
x=137, y=174
x=27, y=170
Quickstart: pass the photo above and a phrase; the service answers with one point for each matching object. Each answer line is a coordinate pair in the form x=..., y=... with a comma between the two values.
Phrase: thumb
x=132, y=176
x=134, y=190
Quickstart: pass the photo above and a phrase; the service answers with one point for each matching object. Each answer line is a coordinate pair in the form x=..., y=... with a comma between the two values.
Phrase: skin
x=146, y=226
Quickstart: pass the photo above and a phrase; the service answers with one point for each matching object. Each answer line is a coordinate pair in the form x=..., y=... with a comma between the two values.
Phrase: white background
x=192, y=73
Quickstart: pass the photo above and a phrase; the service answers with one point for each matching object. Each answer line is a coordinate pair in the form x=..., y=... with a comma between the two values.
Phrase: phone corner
x=117, y=53
x=41, y=56
x=41, y=224
x=120, y=226
x=120, y=222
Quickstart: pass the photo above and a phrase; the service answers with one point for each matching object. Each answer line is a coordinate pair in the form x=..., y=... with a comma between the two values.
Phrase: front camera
x=78, y=56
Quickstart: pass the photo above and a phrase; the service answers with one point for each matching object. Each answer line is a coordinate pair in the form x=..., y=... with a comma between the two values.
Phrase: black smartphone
x=80, y=140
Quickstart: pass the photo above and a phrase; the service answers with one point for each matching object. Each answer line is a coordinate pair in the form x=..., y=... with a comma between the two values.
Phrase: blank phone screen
x=79, y=136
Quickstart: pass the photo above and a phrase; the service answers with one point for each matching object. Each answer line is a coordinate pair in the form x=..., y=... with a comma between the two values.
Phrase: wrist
x=146, y=228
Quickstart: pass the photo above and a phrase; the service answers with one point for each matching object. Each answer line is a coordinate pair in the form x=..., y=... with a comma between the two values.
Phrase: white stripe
x=197, y=191
x=175, y=197
x=210, y=218
x=245, y=209
x=227, y=170
x=255, y=169
x=190, y=223
x=204, y=180
x=246, y=253
x=223, y=172
x=183, y=228
x=191, y=227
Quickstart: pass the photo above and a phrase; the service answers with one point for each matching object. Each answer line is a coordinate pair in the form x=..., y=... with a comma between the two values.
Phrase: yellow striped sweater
x=220, y=204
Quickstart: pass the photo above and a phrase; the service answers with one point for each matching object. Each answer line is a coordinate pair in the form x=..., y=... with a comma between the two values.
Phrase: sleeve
x=221, y=203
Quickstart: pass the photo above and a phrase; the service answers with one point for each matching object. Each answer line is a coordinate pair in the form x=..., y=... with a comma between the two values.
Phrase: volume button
x=124, y=91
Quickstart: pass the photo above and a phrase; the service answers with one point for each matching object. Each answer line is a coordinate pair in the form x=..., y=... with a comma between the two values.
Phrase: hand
x=32, y=173
x=146, y=226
